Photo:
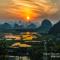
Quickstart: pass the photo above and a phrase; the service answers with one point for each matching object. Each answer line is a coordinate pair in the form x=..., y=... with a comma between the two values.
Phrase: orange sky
x=29, y=9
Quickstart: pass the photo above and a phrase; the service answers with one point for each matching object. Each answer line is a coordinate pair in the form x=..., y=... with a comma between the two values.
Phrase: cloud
x=12, y=9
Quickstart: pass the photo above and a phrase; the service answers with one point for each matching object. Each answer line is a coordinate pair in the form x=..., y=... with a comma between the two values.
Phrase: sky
x=29, y=10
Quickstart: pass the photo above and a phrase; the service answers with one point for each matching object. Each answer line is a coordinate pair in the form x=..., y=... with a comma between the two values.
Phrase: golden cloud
x=32, y=8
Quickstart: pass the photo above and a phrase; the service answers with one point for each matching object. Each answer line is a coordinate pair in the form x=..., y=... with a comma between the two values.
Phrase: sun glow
x=31, y=10
x=27, y=14
x=28, y=17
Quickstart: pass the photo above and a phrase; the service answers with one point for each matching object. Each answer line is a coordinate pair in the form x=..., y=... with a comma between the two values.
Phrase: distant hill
x=17, y=26
x=5, y=26
x=31, y=26
x=55, y=29
x=45, y=26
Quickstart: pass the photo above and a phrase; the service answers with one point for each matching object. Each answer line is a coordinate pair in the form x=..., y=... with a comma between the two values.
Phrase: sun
x=27, y=17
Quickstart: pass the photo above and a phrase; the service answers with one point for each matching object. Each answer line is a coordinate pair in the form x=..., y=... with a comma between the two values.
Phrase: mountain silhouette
x=5, y=26
x=18, y=26
x=55, y=29
x=45, y=26
x=31, y=26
